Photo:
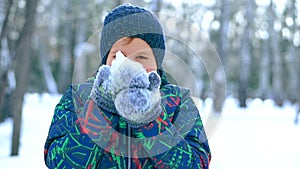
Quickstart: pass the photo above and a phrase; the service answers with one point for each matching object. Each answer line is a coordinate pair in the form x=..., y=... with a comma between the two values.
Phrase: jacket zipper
x=129, y=147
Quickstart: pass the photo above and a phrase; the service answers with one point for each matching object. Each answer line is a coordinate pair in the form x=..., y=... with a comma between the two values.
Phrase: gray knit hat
x=136, y=22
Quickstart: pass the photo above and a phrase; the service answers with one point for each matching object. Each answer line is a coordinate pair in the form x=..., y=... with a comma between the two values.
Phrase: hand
x=126, y=72
x=136, y=93
x=101, y=92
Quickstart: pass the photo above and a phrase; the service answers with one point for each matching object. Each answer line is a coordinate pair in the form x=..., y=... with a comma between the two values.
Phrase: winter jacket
x=70, y=142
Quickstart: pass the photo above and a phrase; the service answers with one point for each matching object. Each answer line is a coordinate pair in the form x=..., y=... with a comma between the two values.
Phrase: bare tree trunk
x=156, y=5
x=219, y=95
x=3, y=77
x=80, y=41
x=298, y=99
x=277, y=62
x=118, y=3
x=23, y=59
x=298, y=82
x=5, y=22
x=65, y=67
x=297, y=60
x=223, y=47
x=264, y=79
x=5, y=59
x=293, y=76
x=44, y=63
x=246, y=55
x=291, y=59
x=297, y=91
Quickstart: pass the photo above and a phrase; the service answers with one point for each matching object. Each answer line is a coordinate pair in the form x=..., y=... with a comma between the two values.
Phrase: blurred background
x=47, y=45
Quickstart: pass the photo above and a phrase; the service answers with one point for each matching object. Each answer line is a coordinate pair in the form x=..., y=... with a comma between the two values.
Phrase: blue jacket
x=82, y=135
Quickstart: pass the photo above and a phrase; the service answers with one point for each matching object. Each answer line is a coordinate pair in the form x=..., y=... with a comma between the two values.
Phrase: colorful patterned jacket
x=82, y=135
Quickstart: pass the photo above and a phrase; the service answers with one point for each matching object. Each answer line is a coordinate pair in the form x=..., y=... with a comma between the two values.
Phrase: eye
x=141, y=57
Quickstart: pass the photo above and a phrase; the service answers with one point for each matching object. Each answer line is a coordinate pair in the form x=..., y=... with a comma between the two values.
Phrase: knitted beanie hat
x=135, y=22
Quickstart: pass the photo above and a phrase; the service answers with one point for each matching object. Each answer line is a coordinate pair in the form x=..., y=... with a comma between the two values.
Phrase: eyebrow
x=113, y=51
x=143, y=52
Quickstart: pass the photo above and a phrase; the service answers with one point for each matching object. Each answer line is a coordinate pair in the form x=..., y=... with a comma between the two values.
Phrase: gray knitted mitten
x=135, y=92
x=101, y=92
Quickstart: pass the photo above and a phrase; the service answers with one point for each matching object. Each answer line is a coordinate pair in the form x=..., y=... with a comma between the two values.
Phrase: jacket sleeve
x=186, y=142
x=67, y=144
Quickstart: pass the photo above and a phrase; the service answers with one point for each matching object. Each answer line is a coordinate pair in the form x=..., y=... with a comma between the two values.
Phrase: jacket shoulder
x=80, y=92
x=171, y=89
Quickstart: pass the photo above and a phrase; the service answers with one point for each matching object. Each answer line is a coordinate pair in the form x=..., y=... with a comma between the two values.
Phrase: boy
x=128, y=115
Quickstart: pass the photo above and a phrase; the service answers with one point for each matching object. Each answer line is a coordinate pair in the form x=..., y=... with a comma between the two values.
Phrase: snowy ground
x=37, y=115
x=262, y=136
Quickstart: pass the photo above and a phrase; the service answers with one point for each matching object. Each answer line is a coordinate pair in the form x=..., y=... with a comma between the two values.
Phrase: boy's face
x=135, y=49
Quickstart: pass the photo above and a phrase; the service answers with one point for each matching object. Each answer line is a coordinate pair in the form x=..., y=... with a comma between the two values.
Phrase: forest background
x=47, y=45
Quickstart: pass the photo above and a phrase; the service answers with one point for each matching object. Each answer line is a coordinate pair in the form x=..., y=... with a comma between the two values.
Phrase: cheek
x=109, y=61
x=150, y=67
x=150, y=70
